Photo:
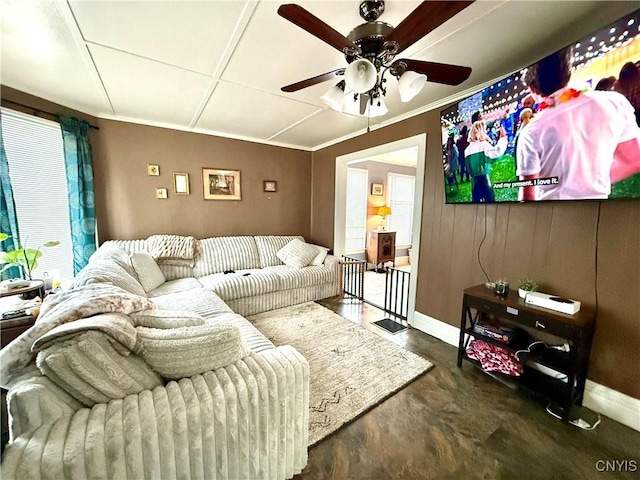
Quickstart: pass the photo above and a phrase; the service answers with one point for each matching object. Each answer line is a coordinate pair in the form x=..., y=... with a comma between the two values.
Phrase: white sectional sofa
x=116, y=380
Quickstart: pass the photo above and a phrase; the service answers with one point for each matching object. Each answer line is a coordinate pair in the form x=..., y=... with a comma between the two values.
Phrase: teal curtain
x=79, y=167
x=8, y=218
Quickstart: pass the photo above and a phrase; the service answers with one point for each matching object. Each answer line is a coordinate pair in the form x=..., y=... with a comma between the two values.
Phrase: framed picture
x=180, y=183
x=153, y=170
x=220, y=184
x=377, y=189
x=269, y=186
x=161, y=193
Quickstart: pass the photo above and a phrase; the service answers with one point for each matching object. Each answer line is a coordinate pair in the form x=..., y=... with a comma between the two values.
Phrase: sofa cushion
x=107, y=271
x=199, y=300
x=219, y=254
x=297, y=254
x=186, y=351
x=113, y=252
x=242, y=283
x=174, y=286
x=320, y=257
x=147, y=270
x=291, y=278
x=91, y=367
x=268, y=246
x=166, y=318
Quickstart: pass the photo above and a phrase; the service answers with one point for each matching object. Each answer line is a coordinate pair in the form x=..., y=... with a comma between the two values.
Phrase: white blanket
x=58, y=309
x=173, y=249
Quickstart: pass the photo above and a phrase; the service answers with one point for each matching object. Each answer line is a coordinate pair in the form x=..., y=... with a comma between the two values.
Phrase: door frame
x=342, y=162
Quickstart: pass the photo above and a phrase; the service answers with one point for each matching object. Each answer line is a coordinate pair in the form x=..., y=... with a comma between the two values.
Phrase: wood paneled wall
x=589, y=251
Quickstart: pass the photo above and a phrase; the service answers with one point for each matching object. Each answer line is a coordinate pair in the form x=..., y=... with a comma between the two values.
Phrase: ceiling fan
x=370, y=50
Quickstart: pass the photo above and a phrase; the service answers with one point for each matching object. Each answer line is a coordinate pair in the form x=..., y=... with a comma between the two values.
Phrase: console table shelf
x=564, y=383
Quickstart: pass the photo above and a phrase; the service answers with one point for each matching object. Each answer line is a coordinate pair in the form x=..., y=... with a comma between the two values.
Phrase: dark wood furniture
x=562, y=381
x=381, y=247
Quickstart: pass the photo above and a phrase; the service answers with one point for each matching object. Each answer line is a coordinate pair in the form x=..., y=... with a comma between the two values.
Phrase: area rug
x=352, y=369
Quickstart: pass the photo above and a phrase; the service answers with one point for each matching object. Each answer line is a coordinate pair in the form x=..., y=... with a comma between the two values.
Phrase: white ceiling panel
x=43, y=57
x=191, y=35
x=325, y=127
x=218, y=65
x=145, y=90
x=246, y=112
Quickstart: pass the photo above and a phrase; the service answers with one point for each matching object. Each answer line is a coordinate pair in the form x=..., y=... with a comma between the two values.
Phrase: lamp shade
x=334, y=97
x=384, y=211
x=377, y=109
x=410, y=84
x=361, y=75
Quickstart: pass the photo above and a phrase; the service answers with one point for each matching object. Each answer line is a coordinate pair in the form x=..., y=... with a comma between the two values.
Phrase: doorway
x=406, y=151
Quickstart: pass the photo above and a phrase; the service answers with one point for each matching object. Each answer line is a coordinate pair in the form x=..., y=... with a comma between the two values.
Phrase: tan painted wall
x=125, y=194
x=554, y=243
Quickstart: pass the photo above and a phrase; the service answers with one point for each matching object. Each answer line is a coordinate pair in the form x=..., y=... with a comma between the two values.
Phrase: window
x=37, y=170
x=400, y=190
x=356, y=215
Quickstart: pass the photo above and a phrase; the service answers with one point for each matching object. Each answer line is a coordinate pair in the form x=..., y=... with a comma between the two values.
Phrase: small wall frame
x=180, y=183
x=269, y=186
x=161, y=193
x=153, y=170
x=377, y=189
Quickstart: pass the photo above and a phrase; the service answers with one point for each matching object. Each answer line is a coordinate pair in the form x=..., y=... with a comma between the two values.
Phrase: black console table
x=575, y=332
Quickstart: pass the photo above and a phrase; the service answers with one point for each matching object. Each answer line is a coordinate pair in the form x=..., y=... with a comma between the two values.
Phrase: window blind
x=400, y=198
x=356, y=215
x=37, y=169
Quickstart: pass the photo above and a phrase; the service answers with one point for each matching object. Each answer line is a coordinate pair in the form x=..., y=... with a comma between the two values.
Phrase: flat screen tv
x=565, y=128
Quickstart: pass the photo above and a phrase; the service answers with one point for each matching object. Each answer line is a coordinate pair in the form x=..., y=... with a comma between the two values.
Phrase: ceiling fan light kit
x=370, y=50
x=410, y=84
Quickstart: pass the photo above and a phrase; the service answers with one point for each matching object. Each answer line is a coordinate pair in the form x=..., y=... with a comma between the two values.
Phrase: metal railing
x=396, y=292
x=352, y=277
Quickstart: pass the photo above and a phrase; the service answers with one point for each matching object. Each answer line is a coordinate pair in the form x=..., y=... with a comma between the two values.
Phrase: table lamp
x=383, y=211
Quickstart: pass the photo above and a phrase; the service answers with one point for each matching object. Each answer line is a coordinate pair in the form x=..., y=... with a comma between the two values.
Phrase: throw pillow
x=186, y=351
x=319, y=258
x=166, y=318
x=148, y=271
x=297, y=253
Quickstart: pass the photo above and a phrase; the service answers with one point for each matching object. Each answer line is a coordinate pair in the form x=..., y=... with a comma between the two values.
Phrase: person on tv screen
x=578, y=143
x=479, y=156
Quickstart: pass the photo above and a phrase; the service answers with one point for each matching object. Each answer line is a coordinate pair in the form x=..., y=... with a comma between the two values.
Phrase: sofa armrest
x=333, y=263
x=246, y=420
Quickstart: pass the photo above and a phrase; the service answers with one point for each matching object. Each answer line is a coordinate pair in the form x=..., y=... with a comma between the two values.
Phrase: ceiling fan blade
x=294, y=87
x=425, y=18
x=316, y=27
x=437, y=72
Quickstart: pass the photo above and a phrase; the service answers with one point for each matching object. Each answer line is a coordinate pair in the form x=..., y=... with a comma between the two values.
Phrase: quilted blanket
x=78, y=303
x=173, y=249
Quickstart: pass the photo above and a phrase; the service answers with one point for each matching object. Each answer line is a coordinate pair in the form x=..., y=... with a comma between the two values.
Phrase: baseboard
x=609, y=402
x=436, y=328
x=612, y=403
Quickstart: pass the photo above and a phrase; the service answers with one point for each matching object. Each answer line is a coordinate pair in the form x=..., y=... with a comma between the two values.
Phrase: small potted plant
x=26, y=259
x=526, y=286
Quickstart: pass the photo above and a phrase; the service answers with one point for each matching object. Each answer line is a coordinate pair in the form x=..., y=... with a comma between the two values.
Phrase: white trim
x=612, y=403
x=436, y=328
x=420, y=143
x=609, y=402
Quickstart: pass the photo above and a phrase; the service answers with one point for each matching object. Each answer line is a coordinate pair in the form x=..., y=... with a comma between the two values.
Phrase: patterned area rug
x=352, y=368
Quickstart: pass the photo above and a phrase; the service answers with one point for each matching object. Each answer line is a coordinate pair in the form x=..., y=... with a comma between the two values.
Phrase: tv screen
x=565, y=128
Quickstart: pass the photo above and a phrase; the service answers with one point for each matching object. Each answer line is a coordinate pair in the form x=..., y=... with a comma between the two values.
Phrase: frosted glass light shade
x=376, y=110
x=410, y=84
x=334, y=98
x=361, y=75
